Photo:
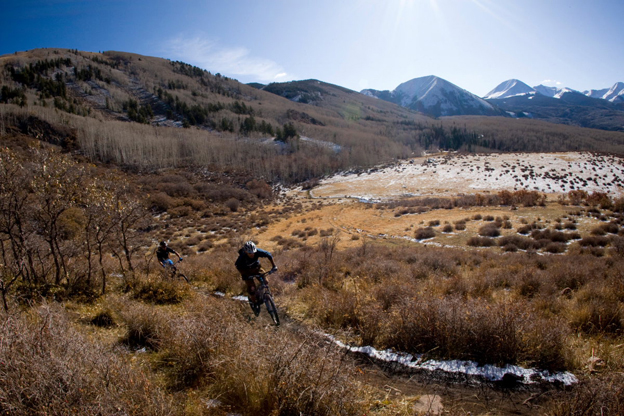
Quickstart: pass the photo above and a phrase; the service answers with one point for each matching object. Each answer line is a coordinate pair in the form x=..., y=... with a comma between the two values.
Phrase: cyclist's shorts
x=167, y=262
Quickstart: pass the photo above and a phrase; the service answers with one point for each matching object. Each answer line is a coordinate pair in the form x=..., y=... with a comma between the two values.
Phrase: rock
x=429, y=404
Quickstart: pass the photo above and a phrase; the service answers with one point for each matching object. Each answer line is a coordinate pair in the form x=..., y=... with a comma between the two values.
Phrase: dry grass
x=247, y=368
x=471, y=305
x=50, y=368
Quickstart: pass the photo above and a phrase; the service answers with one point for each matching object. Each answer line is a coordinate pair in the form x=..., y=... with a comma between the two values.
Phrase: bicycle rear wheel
x=270, y=305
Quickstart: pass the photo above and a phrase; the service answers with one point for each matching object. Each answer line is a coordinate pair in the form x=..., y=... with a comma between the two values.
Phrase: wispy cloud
x=232, y=61
x=551, y=82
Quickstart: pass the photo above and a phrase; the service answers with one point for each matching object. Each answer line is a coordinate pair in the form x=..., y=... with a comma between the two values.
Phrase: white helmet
x=249, y=247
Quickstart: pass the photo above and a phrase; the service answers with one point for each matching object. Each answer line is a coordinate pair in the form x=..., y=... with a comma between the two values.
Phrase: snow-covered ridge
x=509, y=88
x=436, y=97
x=431, y=91
x=514, y=88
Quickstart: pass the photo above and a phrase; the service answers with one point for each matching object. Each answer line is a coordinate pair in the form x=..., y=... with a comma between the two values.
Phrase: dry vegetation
x=89, y=325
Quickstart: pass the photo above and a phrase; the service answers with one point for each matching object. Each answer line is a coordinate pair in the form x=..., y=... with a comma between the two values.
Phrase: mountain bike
x=263, y=295
x=170, y=271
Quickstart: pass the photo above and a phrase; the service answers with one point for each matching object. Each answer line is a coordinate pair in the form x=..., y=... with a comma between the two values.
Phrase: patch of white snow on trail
x=241, y=298
x=488, y=372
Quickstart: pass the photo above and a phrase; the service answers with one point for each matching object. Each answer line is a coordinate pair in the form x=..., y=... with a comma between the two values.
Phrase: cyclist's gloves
x=274, y=269
x=181, y=259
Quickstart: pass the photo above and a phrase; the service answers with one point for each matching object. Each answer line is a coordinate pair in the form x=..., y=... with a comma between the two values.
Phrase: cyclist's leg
x=169, y=268
x=251, y=289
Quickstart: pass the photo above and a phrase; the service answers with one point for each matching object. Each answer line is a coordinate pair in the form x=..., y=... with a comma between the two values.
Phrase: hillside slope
x=148, y=113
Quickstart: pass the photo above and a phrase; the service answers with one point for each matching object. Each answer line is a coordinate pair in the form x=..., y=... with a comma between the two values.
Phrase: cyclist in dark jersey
x=248, y=264
x=162, y=254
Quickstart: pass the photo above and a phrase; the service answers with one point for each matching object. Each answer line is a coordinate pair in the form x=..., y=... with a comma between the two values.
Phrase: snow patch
x=470, y=368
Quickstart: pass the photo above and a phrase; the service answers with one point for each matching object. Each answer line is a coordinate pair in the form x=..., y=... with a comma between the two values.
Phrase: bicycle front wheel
x=270, y=305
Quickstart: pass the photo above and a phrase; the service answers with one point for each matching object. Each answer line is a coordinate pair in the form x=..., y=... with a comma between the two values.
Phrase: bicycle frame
x=171, y=271
x=263, y=295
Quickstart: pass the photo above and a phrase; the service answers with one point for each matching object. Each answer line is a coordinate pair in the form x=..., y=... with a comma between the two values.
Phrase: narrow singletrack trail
x=456, y=393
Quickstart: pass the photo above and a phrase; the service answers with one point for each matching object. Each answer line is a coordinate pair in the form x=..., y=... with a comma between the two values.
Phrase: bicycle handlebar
x=260, y=276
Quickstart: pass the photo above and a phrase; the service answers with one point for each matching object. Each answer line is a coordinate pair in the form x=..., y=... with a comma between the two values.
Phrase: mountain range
x=436, y=97
x=602, y=109
x=514, y=87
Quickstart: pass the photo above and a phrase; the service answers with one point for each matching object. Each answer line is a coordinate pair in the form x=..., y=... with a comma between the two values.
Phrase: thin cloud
x=231, y=61
x=551, y=82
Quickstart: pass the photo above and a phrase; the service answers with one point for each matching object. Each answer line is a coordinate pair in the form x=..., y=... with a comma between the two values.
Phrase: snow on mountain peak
x=616, y=93
x=441, y=96
x=509, y=88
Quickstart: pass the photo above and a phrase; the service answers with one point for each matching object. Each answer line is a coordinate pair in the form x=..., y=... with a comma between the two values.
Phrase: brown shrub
x=489, y=230
x=158, y=290
x=50, y=368
x=598, y=311
x=594, y=241
x=233, y=204
x=481, y=242
x=555, y=248
x=424, y=233
x=205, y=245
x=475, y=330
x=161, y=202
x=179, y=212
x=260, y=189
x=592, y=396
x=176, y=190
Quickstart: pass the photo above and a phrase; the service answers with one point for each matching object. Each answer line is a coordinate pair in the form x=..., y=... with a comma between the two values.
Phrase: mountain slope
x=437, y=97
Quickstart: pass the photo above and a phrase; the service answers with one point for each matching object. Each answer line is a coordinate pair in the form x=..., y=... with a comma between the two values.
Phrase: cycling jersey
x=163, y=253
x=246, y=263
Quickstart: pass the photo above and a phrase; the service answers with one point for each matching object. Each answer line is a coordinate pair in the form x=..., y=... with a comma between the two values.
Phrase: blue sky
x=475, y=44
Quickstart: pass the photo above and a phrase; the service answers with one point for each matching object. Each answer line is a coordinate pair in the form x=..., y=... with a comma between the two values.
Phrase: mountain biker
x=162, y=254
x=248, y=264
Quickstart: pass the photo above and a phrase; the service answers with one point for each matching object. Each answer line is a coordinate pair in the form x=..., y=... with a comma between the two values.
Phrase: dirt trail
x=429, y=392
x=456, y=397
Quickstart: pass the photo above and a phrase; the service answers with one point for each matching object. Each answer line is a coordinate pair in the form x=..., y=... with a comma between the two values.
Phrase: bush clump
x=424, y=233
x=481, y=242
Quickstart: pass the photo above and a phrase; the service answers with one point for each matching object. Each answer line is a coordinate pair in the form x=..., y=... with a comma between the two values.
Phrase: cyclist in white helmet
x=248, y=264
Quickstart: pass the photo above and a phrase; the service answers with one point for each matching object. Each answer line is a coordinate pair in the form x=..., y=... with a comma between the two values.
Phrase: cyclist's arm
x=175, y=252
x=264, y=253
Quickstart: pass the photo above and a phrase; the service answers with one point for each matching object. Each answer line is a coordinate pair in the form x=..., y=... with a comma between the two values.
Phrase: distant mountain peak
x=509, y=88
x=435, y=96
x=616, y=93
